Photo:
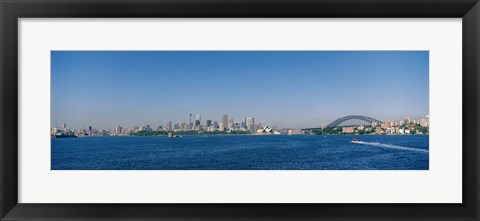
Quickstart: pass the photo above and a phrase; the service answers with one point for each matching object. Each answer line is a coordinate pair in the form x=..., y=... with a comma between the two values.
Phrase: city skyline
x=288, y=89
x=245, y=122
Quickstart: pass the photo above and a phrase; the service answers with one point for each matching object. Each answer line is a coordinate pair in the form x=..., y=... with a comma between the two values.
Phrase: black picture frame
x=12, y=10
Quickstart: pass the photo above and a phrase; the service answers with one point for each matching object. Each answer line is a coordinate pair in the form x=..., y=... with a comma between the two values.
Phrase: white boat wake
x=390, y=146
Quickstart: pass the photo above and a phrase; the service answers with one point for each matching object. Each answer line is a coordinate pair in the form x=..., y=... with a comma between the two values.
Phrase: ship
x=64, y=135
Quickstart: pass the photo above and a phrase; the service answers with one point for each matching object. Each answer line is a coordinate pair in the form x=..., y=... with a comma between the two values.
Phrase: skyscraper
x=244, y=123
x=118, y=130
x=190, y=125
x=224, y=121
x=230, y=125
x=251, y=124
x=198, y=120
x=208, y=123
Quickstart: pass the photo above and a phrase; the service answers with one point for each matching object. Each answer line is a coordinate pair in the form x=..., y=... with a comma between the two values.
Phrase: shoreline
x=208, y=135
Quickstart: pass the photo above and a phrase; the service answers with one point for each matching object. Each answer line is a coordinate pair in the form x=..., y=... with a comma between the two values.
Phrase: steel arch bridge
x=338, y=121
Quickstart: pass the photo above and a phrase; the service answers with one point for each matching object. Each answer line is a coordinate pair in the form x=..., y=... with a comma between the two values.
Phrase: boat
x=64, y=135
x=354, y=140
x=171, y=135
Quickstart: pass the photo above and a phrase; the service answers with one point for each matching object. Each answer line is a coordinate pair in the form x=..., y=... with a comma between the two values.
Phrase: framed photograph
x=228, y=110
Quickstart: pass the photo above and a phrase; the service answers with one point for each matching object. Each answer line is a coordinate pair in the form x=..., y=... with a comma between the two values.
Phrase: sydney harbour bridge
x=350, y=120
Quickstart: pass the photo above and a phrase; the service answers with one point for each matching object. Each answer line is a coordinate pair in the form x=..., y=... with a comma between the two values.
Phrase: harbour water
x=242, y=152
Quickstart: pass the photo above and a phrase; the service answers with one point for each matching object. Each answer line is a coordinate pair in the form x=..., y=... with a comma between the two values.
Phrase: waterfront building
x=294, y=131
x=169, y=126
x=424, y=121
x=215, y=125
x=118, y=130
x=230, y=125
x=265, y=130
x=198, y=119
x=348, y=130
x=250, y=121
x=224, y=122
x=389, y=123
x=384, y=125
x=208, y=123
x=53, y=131
x=221, y=127
x=244, y=123
x=190, y=114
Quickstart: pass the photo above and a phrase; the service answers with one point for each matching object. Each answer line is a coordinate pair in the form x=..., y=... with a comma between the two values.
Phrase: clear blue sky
x=294, y=89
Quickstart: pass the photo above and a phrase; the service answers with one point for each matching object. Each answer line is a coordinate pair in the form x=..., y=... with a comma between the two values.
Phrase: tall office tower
x=169, y=126
x=176, y=126
x=118, y=130
x=198, y=119
x=190, y=122
x=221, y=127
x=215, y=125
x=208, y=123
x=230, y=125
x=224, y=121
x=244, y=123
x=251, y=124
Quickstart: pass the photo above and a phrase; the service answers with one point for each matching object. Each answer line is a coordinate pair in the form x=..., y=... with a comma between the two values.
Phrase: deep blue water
x=248, y=152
